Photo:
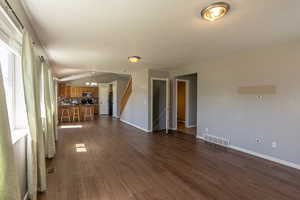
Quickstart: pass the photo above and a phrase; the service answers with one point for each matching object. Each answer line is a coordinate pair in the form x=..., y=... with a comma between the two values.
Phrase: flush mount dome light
x=215, y=11
x=134, y=59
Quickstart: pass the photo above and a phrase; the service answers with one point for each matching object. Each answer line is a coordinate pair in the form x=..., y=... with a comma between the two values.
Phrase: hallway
x=123, y=162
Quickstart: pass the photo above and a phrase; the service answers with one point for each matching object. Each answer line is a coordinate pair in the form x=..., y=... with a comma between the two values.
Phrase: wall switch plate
x=274, y=144
x=206, y=129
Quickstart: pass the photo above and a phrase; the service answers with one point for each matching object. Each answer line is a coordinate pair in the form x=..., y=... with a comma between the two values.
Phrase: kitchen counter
x=81, y=109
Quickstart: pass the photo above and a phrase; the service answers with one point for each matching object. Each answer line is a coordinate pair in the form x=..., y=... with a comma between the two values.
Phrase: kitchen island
x=82, y=108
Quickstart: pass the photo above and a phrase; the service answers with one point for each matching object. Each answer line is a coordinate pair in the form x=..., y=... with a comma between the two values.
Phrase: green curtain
x=50, y=111
x=31, y=71
x=9, y=186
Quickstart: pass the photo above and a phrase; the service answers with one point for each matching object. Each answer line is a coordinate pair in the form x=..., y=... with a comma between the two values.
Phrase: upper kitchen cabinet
x=74, y=92
x=65, y=91
x=68, y=91
x=95, y=93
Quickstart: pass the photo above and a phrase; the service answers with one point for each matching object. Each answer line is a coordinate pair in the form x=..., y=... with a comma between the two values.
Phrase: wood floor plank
x=124, y=163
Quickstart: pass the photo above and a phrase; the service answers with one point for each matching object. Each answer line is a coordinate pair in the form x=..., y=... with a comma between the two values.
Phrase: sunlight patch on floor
x=80, y=148
x=70, y=126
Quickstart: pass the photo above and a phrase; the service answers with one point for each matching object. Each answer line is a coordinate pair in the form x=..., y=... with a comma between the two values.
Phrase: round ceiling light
x=215, y=11
x=134, y=59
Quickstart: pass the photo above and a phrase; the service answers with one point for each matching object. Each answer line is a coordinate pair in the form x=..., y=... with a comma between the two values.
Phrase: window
x=14, y=93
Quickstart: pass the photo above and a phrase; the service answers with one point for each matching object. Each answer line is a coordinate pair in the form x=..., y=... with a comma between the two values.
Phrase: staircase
x=126, y=96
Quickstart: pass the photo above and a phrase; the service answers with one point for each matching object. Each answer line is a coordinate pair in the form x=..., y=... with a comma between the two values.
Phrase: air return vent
x=216, y=140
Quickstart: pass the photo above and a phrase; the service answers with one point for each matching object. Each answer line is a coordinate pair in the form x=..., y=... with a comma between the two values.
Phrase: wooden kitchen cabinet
x=61, y=89
x=79, y=91
x=65, y=91
x=74, y=92
x=96, y=93
x=68, y=91
x=96, y=109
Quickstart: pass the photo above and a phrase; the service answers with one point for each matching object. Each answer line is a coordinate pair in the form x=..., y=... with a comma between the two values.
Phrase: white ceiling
x=99, y=35
x=99, y=78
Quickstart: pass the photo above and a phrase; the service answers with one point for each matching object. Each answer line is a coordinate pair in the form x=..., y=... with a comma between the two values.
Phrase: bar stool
x=76, y=113
x=65, y=114
x=88, y=113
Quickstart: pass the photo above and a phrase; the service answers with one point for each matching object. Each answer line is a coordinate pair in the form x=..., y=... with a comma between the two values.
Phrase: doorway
x=182, y=101
x=104, y=91
x=159, y=104
x=186, y=104
x=108, y=99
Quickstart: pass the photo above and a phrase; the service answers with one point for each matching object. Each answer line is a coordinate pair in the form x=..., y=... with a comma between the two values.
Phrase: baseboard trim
x=134, y=125
x=263, y=156
x=173, y=129
x=26, y=196
x=191, y=126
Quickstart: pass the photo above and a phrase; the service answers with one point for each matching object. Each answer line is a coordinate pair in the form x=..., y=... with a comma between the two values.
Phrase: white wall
x=243, y=118
x=136, y=110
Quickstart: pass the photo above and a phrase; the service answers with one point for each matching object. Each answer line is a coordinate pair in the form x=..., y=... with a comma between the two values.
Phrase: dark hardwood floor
x=124, y=163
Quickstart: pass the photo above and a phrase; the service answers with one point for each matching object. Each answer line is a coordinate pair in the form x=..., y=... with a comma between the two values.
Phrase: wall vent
x=216, y=140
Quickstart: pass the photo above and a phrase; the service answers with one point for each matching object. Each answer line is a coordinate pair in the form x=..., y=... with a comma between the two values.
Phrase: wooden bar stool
x=65, y=114
x=88, y=113
x=76, y=113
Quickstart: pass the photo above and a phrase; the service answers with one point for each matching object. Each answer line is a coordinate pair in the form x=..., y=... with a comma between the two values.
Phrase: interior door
x=160, y=104
x=115, y=102
x=103, y=99
x=167, y=105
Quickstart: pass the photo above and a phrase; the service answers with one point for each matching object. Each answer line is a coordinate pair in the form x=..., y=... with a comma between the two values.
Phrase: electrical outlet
x=274, y=144
x=206, y=129
x=258, y=140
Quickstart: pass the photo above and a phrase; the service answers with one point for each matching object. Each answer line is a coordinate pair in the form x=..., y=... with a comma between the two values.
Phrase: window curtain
x=9, y=186
x=55, y=109
x=36, y=169
x=50, y=111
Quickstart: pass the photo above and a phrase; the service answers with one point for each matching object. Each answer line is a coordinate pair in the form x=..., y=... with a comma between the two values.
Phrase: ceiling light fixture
x=134, y=59
x=94, y=84
x=215, y=11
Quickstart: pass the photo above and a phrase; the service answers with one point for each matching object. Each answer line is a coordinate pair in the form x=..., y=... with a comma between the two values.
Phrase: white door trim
x=187, y=101
x=115, y=105
x=167, y=103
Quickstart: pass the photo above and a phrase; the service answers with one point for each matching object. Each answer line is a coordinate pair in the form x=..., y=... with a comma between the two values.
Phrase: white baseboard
x=266, y=157
x=136, y=126
x=200, y=137
x=174, y=129
x=26, y=196
x=191, y=126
